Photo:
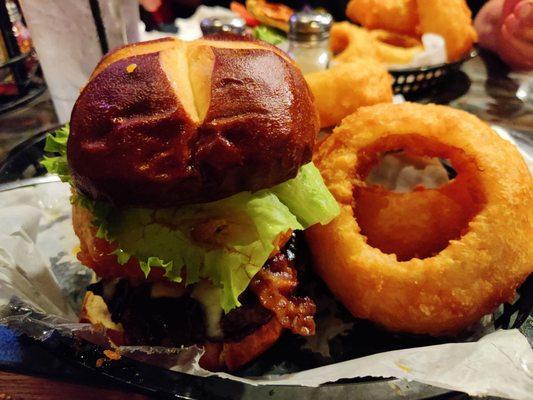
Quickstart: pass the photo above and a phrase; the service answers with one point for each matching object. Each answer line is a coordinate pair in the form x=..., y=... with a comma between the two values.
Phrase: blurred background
x=156, y=14
x=48, y=49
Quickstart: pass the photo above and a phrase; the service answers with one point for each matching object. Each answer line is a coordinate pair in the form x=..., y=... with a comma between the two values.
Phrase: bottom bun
x=217, y=356
x=233, y=355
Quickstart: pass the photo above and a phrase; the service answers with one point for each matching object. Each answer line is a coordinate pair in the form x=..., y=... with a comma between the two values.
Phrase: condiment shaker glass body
x=309, y=40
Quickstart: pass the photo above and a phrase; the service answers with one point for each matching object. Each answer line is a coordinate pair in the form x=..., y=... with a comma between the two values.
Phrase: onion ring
x=485, y=257
x=343, y=88
x=395, y=48
x=392, y=15
x=452, y=19
x=351, y=43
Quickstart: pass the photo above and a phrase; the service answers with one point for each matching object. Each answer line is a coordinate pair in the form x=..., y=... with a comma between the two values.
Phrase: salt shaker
x=309, y=40
x=223, y=24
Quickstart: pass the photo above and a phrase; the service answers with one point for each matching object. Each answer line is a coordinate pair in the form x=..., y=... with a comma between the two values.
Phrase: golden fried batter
x=452, y=20
x=349, y=42
x=441, y=286
x=352, y=43
x=395, y=48
x=392, y=15
x=343, y=88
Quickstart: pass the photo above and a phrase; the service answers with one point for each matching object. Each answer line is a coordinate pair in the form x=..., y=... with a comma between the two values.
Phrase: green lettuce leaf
x=268, y=34
x=56, y=142
x=226, y=241
x=307, y=197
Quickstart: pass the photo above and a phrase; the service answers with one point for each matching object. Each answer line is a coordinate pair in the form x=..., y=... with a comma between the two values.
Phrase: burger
x=190, y=168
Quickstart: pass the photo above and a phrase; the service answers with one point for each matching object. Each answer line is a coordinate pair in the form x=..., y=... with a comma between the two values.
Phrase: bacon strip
x=274, y=285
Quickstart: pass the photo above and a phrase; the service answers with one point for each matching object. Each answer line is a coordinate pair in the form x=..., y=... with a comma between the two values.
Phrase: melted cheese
x=209, y=297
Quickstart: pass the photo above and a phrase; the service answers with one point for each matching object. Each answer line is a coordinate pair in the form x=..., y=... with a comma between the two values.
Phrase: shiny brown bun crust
x=167, y=122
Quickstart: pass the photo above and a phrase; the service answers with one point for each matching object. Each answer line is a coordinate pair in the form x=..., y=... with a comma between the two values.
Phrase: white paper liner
x=434, y=53
x=36, y=228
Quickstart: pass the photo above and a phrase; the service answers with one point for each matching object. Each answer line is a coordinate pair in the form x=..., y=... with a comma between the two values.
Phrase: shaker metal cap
x=222, y=24
x=310, y=25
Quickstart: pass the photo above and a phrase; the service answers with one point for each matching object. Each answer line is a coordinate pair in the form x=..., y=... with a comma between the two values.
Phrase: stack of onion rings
x=351, y=43
x=399, y=16
x=448, y=274
x=450, y=19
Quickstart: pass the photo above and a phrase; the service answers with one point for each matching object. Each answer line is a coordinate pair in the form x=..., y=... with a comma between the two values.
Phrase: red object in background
x=516, y=40
x=506, y=27
x=150, y=5
x=8, y=89
x=241, y=10
x=164, y=14
x=15, y=44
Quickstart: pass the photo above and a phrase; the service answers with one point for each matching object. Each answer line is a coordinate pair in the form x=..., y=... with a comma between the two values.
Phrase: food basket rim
x=474, y=52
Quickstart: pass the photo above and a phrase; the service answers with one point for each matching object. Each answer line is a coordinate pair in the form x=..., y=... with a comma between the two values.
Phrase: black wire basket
x=414, y=81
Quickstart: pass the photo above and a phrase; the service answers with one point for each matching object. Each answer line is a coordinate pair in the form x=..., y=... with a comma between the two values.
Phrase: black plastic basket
x=413, y=81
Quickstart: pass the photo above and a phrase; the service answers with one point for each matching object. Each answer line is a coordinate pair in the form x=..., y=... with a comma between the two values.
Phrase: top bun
x=167, y=122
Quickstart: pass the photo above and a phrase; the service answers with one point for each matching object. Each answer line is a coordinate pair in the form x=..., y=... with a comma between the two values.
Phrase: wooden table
x=22, y=387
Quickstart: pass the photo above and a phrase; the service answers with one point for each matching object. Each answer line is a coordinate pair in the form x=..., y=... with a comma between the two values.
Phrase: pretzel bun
x=167, y=122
